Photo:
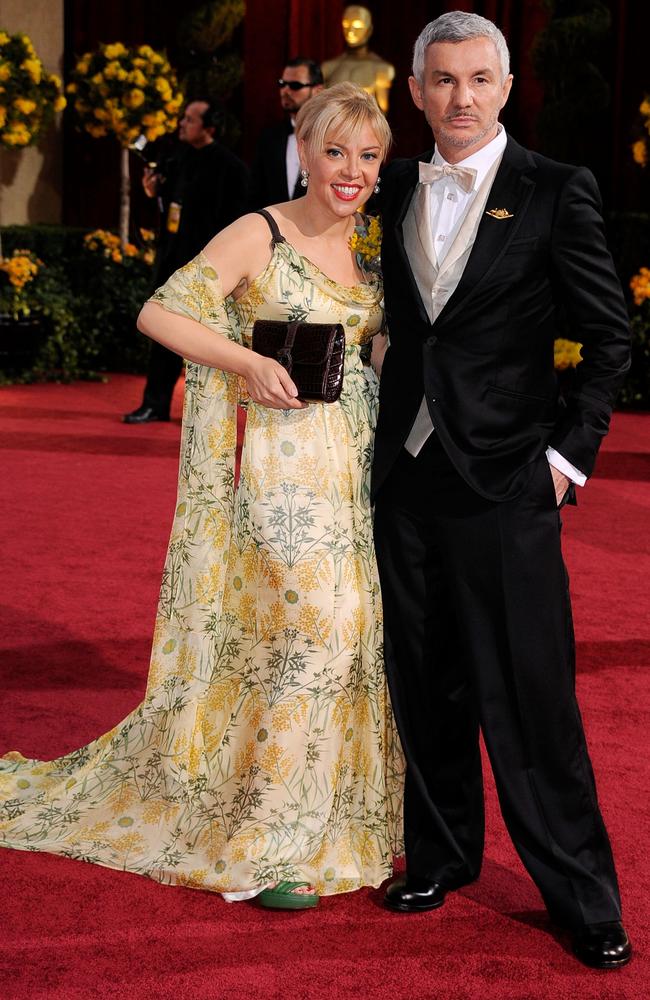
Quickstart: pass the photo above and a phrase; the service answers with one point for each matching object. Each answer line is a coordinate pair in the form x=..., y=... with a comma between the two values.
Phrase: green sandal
x=282, y=897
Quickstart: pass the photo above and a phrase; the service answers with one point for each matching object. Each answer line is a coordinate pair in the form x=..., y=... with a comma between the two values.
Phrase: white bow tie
x=464, y=177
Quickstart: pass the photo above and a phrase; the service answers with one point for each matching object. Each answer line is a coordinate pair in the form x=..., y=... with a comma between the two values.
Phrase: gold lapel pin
x=500, y=213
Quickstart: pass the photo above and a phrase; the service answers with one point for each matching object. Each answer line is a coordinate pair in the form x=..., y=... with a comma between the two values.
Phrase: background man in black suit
x=473, y=457
x=202, y=188
x=275, y=175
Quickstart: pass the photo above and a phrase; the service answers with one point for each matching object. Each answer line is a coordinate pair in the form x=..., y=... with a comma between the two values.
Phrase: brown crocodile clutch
x=312, y=353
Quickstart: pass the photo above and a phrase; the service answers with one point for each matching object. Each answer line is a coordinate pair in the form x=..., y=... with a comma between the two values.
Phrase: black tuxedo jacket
x=268, y=181
x=486, y=363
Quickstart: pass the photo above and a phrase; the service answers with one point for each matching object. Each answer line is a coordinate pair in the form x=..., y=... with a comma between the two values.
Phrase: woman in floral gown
x=263, y=754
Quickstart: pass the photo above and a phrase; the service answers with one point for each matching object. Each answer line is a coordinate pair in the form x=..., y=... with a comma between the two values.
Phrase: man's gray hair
x=458, y=26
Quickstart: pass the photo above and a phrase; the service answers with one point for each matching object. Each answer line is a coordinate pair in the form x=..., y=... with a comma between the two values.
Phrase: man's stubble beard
x=459, y=141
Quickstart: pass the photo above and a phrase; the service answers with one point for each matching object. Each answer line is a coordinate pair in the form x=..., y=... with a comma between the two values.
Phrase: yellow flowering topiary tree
x=29, y=95
x=126, y=93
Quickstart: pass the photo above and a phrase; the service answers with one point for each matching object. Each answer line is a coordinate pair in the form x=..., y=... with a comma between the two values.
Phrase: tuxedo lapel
x=465, y=237
x=418, y=244
x=406, y=196
x=422, y=220
x=512, y=190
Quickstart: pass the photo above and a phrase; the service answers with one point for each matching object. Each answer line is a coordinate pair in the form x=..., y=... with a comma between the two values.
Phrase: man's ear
x=416, y=93
x=505, y=93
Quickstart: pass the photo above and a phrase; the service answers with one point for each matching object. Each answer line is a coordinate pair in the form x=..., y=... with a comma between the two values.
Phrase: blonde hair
x=339, y=112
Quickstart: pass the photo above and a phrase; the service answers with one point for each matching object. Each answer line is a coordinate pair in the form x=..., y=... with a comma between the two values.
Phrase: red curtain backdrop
x=313, y=28
x=275, y=31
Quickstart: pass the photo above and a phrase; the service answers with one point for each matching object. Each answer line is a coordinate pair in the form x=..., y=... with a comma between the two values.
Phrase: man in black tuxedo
x=201, y=189
x=484, y=243
x=275, y=174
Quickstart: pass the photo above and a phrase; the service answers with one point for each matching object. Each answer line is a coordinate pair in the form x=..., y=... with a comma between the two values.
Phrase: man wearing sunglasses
x=275, y=176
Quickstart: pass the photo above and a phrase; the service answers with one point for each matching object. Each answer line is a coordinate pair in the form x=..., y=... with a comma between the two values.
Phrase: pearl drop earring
x=304, y=178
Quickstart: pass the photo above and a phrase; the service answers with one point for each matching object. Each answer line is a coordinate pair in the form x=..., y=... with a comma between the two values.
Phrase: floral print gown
x=264, y=748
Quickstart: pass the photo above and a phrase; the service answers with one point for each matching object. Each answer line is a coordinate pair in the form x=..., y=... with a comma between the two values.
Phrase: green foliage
x=569, y=58
x=217, y=77
x=212, y=68
x=89, y=304
x=635, y=393
x=628, y=235
x=212, y=25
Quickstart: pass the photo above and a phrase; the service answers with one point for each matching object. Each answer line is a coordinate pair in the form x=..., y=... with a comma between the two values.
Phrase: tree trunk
x=125, y=196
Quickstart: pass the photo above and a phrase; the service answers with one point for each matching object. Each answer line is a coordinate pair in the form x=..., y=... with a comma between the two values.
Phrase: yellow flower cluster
x=125, y=92
x=566, y=354
x=640, y=147
x=29, y=96
x=640, y=285
x=21, y=267
x=640, y=152
x=108, y=244
x=368, y=246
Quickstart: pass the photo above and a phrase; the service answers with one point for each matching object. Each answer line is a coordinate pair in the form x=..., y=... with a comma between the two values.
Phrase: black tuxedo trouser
x=479, y=636
x=163, y=373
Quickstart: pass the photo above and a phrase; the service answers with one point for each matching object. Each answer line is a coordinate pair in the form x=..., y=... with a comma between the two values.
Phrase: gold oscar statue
x=358, y=63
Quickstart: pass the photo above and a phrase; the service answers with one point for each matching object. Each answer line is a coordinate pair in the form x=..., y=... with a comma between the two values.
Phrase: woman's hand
x=150, y=181
x=269, y=384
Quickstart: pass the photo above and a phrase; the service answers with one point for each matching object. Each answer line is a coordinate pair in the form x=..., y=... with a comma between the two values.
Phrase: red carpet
x=86, y=505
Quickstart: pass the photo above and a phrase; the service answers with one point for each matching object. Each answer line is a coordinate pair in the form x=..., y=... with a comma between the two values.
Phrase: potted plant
x=21, y=327
x=36, y=318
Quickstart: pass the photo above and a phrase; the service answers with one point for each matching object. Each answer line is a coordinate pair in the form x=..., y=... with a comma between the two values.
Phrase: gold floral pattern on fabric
x=265, y=746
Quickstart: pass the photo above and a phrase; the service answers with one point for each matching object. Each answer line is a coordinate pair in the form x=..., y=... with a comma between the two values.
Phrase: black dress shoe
x=143, y=415
x=414, y=895
x=602, y=946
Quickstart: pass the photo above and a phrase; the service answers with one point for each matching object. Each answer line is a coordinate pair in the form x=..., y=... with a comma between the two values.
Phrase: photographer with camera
x=202, y=188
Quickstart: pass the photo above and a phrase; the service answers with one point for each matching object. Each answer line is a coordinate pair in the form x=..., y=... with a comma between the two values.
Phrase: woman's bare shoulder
x=244, y=233
x=240, y=251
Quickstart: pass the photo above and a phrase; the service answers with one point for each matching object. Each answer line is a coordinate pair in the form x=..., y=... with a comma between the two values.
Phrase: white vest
x=437, y=284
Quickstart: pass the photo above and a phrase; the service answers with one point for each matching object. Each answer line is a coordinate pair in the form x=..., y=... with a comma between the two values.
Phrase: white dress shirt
x=449, y=206
x=292, y=161
x=449, y=203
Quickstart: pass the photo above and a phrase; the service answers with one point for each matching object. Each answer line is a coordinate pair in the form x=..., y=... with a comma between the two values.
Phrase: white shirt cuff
x=568, y=470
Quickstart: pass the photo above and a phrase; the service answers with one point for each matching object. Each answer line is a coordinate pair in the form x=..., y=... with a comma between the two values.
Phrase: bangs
x=337, y=115
x=341, y=126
